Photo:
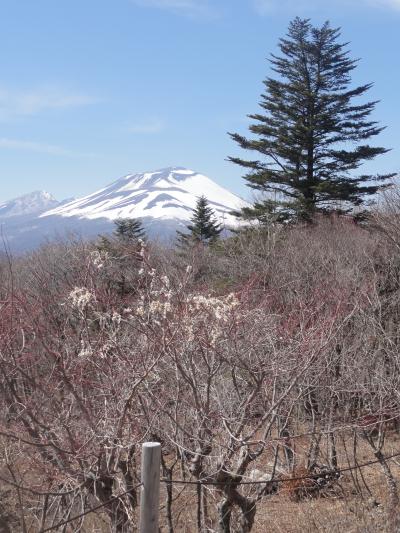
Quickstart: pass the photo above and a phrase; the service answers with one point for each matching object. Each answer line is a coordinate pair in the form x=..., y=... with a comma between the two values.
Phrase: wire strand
x=279, y=480
x=91, y=510
x=220, y=483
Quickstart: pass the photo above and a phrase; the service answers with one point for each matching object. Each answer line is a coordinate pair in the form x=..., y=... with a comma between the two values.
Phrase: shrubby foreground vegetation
x=273, y=354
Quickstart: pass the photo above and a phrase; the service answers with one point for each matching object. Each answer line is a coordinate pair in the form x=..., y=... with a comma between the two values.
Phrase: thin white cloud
x=266, y=7
x=147, y=128
x=41, y=148
x=18, y=103
x=184, y=7
x=395, y=4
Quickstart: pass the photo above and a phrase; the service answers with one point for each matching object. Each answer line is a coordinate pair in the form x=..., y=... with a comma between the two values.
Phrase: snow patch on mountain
x=33, y=203
x=167, y=194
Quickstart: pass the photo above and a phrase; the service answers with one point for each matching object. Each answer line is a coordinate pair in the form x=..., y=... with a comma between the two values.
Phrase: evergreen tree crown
x=311, y=134
x=203, y=227
x=129, y=229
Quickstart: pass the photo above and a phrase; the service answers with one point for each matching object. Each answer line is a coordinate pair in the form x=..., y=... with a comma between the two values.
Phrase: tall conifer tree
x=311, y=135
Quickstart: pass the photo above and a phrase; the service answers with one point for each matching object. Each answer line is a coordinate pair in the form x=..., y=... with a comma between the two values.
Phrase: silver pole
x=150, y=491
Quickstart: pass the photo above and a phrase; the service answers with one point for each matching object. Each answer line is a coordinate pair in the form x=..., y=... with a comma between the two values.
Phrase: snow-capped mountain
x=29, y=204
x=167, y=194
x=163, y=200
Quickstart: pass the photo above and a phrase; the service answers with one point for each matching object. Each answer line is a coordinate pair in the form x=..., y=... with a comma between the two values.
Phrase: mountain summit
x=163, y=200
x=167, y=194
x=29, y=204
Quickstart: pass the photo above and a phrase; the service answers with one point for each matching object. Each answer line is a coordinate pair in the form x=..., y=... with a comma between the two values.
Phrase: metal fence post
x=150, y=490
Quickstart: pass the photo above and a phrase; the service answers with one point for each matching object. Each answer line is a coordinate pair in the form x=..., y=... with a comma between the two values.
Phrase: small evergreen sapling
x=203, y=227
x=129, y=229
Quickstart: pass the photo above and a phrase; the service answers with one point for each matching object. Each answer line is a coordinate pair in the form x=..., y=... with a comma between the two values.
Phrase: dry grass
x=341, y=509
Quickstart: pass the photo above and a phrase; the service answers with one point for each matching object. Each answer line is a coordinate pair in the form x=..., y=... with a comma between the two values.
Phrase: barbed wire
x=279, y=480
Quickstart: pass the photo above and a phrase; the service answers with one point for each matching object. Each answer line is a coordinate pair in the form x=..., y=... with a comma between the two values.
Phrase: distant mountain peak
x=35, y=202
x=168, y=194
x=163, y=199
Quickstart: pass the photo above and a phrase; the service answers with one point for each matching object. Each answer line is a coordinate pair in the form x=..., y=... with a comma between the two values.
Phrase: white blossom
x=160, y=308
x=140, y=311
x=85, y=351
x=81, y=297
x=142, y=247
x=219, y=307
x=165, y=281
x=116, y=318
x=99, y=258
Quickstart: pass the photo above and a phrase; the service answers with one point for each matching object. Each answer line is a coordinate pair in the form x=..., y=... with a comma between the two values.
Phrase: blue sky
x=91, y=90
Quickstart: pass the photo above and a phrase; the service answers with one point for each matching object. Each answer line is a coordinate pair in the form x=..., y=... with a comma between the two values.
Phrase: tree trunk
x=248, y=512
x=393, y=511
x=225, y=512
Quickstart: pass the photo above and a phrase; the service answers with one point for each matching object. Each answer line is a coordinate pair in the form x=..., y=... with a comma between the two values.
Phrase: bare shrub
x=248, y=361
